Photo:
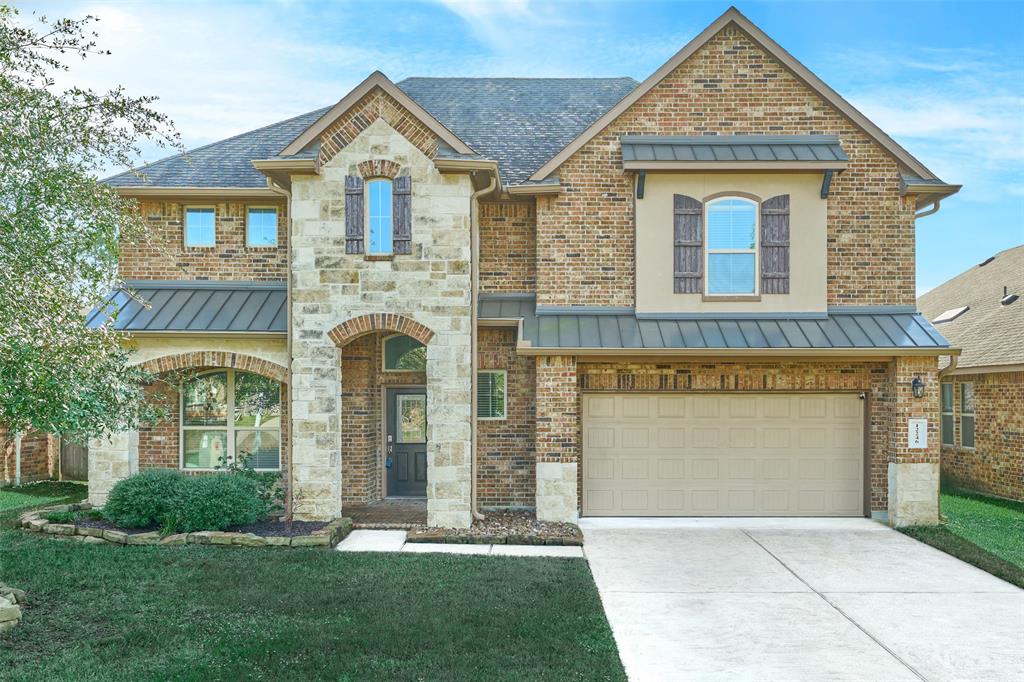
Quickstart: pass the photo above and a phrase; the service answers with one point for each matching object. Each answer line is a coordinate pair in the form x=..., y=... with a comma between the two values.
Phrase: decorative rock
x=152, y=538
x=93, y=540
x=200, y=538
x=176, y=539
x=277, y=541
x=93, y=532
x=311, y=541
x=248, y=540
x=7, y=624
x=9, y=611
x=37, y=524
x=13, y=594
x=115, y=536
x=59, y=529
x=221, y=538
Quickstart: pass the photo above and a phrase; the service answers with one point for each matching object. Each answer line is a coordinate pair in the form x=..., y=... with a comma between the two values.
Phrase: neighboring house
x=982, y=399
x=688, y=296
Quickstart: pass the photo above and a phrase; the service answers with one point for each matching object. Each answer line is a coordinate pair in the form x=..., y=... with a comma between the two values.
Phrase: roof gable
x=733, y=17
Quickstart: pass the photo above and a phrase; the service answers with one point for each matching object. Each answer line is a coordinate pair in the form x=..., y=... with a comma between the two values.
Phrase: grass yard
x=203, y=613
x=984, y=531
x=37, y=494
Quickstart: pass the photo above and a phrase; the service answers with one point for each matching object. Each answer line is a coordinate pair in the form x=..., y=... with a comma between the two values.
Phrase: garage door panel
x=721, y=455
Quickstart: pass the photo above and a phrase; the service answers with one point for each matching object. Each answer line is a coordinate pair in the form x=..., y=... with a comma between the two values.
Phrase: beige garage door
x=723, y=455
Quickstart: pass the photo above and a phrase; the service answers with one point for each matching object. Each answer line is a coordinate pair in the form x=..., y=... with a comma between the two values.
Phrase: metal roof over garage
x=839, y=328
x=196, y=306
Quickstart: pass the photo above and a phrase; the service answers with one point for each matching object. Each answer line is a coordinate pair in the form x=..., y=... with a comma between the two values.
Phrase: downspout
x=928, y=212
x=953, y=359
x=274, y=187
x=474, y=229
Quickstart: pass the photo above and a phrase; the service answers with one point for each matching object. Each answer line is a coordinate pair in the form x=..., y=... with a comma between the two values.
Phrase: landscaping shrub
x=144, y=499
x=60, y=517
x=216, y=502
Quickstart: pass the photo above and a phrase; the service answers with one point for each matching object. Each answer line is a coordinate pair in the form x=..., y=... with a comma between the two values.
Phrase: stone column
x=449, y=415
x=315, y=438
x=558, y=437
x=913, y=474
x=111, y=458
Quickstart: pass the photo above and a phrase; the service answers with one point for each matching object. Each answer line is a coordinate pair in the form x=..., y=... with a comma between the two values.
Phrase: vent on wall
x=951, y=314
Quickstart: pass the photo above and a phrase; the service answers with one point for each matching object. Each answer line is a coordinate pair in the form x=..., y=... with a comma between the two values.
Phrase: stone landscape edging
x=442, y=535
x=33, y=521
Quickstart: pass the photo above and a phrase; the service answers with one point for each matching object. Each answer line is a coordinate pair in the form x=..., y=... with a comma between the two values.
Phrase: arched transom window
x=404, y=354
x=732, y=244
x=230, y=416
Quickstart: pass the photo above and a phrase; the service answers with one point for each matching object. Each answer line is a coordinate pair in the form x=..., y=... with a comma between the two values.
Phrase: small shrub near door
x=175, y=503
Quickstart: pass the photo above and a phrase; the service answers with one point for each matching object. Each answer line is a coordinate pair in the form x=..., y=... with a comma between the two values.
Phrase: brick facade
x=585, y=240
x=39, y=457
x=995, y=465
x=508, y=247
x=375, y=105
x=165, y=256
x=505, y=451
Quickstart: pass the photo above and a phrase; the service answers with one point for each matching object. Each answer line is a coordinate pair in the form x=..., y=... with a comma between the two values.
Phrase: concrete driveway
x=798, y=599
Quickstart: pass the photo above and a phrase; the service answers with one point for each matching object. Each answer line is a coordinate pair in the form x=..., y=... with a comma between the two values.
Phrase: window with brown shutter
x=775, y=245
x=353, y=214
x=688, y=244
x=401, y=199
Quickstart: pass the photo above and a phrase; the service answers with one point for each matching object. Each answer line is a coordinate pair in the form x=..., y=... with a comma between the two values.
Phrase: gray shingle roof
x=196, y=306
x=227, y=163
x=518, y=122
x=849, y=328
x=824, y=148
x=989, y=333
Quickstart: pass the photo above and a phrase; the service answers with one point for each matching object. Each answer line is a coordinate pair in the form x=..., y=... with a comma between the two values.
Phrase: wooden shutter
x=688, y=224
x=775, y=245
x=401, y=214
x=354, y=218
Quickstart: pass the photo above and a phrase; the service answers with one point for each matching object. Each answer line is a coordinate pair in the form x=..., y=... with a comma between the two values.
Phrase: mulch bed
x=280, y=528
x=503, y=528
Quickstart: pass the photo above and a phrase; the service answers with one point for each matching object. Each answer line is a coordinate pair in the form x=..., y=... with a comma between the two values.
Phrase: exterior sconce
x=917, y=387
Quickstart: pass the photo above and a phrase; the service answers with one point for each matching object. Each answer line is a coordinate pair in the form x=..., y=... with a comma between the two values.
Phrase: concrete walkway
x=793, y=599
x=394, y=541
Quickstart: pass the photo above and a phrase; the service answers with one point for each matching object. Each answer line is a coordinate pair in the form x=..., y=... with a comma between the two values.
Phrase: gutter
x=474, y=229
x=279, y=190
x=950, y=368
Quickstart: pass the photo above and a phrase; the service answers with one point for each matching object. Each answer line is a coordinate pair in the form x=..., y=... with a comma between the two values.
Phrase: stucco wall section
x=147, y=348
x=164, y=255
x=995, y=465
x=431, y=286
x=585, y=246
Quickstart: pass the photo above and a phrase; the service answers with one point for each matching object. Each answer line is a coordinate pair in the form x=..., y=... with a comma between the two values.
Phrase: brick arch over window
x=214, y=359
x=389, y=322
x=378, y=168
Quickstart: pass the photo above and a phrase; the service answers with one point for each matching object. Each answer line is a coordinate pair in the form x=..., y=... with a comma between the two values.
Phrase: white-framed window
x=200, y=230
x=227, y=415
x=491, y=394
x=946, y=413
x=731, y=225
x=967, y=414
x=403, y=354
x=261, y=226
x=379, y=218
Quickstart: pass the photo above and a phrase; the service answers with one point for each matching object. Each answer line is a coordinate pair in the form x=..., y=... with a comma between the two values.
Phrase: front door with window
x=405, y=442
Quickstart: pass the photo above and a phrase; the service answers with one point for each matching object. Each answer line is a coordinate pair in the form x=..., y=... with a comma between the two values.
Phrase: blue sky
x=945, y=79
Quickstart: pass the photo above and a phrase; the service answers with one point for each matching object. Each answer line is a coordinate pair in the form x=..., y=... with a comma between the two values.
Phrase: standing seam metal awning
x=196, y=306
x=851, y=328
x=677, y=151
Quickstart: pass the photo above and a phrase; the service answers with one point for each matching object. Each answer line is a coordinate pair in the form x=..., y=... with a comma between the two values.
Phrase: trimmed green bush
x=216, y=502
x=144, y=499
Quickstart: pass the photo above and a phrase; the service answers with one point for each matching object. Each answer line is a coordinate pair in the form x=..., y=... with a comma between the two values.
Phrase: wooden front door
x=405, y=442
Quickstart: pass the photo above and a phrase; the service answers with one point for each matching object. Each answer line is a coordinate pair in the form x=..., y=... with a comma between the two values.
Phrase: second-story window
x=261, y=227
x=199, y=226
x=379, y=217
x=731, y=246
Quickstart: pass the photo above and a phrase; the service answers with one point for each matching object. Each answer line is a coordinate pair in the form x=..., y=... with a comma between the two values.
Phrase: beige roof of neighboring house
x=990, y=333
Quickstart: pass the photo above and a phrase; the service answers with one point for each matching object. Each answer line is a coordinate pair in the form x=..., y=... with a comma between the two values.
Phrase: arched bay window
x=228, y=415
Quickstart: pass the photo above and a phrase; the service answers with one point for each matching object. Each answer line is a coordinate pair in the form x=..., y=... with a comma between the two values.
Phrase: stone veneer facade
x=431, y=286
x=995, y=465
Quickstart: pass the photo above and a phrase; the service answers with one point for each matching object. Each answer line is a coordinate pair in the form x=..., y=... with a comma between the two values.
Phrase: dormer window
x=379, y=215
x=732, y=246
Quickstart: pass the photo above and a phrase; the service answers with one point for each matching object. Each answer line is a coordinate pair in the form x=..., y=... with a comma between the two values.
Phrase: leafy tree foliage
x=59, y=230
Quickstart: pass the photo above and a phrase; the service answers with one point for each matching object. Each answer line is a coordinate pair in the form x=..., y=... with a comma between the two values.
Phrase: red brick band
x=365, y=324
x=378, y=168
x=203, y=359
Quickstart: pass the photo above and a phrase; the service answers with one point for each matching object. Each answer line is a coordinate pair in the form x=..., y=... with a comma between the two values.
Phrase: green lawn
x=985, y=531
x=36, y=494
x=203, y=613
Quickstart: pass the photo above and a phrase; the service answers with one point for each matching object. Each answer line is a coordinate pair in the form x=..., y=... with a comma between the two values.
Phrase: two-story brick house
x=688, y=296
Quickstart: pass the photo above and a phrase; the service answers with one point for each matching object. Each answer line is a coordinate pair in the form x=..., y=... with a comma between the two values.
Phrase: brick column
x=914, y=473
x=111, y=458
x=558, y=444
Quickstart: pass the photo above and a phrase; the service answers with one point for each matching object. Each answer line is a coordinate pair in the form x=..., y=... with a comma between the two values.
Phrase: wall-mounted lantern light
x=917, y=387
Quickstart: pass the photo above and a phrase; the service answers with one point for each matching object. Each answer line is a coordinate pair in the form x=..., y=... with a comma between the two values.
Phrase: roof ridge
x=213, y=144
x=519, y=78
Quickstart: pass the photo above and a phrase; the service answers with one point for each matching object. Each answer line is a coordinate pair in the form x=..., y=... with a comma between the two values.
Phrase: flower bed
x=503, y=528
x=263, y=534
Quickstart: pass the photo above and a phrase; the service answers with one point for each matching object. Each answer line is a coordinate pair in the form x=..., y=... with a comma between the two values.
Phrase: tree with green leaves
x=59, y=232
